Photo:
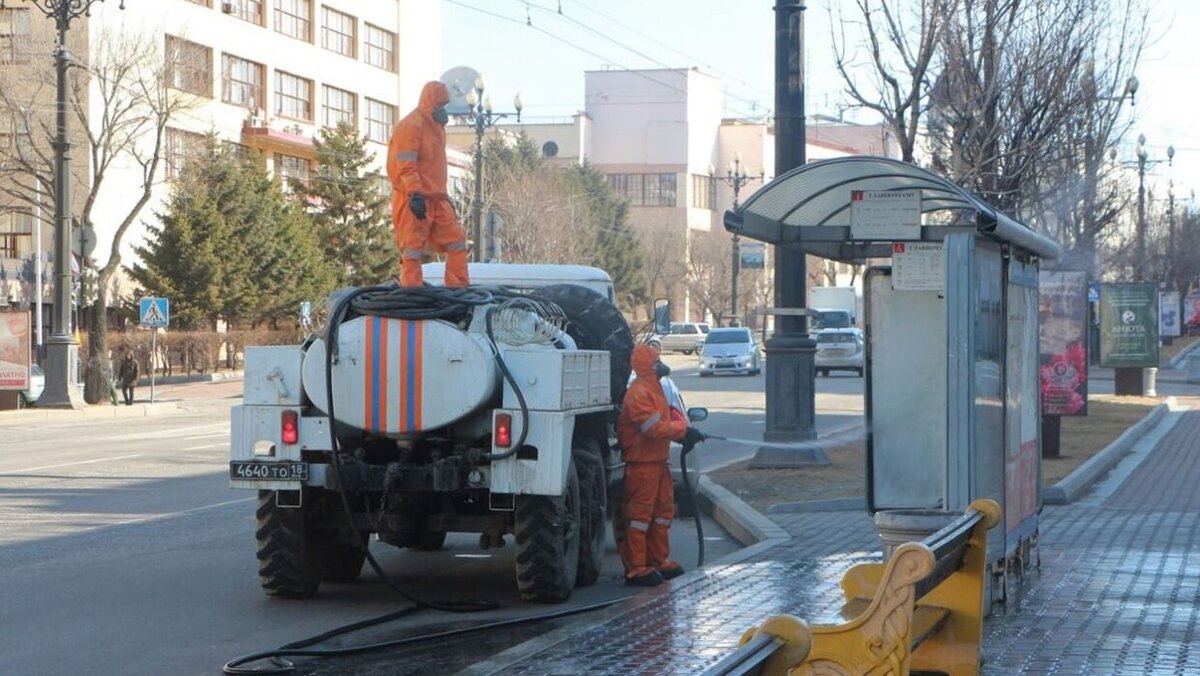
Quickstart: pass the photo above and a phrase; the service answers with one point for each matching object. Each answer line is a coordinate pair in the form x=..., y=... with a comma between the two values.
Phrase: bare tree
x=902, y=47
x=122, y=100
x=543, y=211
x=665, y=254
x=708, y=273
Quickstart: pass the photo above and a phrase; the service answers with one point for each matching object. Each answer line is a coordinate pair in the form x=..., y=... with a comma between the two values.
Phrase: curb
x=742, y=521
x=1080, y=481
x=831, y=505
x=219, y=377
x=89, y=413
x=1177, y=360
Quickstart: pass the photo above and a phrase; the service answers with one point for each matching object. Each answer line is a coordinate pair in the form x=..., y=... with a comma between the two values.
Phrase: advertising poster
x=1168, y=314
x=1128, y=325
x=1191, y=310
x=1063, y=340
x=754, y=255
x=14, y=350
x=1022, y=453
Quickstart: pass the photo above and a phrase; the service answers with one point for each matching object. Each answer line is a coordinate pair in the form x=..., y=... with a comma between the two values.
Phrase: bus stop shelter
x=951, y=319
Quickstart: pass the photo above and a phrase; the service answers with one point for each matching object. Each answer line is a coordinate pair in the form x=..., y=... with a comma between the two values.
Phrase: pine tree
x=350, y=212
x=618, y=249
x=230, y=245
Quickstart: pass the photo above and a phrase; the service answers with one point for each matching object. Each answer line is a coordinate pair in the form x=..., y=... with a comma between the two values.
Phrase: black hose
x=516, y=389
x=297, y=649
x=691, y=496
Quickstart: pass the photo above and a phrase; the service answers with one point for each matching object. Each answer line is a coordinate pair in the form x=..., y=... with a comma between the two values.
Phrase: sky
x=734, y=40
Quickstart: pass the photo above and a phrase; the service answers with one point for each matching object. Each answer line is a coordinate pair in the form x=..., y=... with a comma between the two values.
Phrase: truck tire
x=547, y=535
x=595, y=324
x=344, y=561
x=593, y=512
x=289, y=560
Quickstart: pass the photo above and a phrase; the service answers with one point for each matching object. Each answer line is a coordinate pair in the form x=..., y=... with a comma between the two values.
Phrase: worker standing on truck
x=421, y=209
x=645, y=431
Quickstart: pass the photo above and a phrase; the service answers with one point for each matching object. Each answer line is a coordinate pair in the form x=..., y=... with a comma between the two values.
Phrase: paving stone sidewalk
x=1117, y=591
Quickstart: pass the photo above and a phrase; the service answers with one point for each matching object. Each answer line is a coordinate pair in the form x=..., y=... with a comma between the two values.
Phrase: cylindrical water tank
x=398, y=377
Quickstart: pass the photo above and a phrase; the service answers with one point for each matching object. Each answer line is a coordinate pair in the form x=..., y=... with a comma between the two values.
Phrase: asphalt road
x=123, y=550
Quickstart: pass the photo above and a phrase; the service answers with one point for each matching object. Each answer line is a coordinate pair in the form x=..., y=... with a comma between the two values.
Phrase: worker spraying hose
x=645, y=431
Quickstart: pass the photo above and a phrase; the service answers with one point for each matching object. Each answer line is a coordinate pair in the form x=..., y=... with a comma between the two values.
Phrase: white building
x=268, y=74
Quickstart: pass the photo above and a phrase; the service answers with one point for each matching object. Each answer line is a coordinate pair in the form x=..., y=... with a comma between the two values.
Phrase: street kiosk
x=951, y=305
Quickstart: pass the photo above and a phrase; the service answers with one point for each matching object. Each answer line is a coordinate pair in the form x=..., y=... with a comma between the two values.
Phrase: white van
x=527, y=276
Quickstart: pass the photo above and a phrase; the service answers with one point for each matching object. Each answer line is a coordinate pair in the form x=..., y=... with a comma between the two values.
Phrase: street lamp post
x=481, y=116
x=735, y=176
x=1143, y=159
x=62, y=350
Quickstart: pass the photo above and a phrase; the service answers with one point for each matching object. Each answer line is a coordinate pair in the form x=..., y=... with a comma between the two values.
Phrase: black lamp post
x=736, y=176
x=481, y=116
x=62, y=350
x=1143, y=159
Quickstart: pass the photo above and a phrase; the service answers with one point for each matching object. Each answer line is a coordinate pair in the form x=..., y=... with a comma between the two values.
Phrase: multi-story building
x=660, y=137
x=263, y=74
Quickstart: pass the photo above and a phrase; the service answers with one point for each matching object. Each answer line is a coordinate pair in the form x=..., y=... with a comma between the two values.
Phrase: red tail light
x=289, y=428
x=677, y=415
x=502, y=434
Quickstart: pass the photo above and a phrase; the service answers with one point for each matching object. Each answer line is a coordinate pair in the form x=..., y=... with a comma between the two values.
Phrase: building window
x=338, y=32
x=16, y=36
x=289, y=168
x=380, y=48
x=247, y=10
x=239, y=150
x=182, y=147
x=644, y=190
x=189, y=66
x=381, y=117
x=293, y=96
x=205, y=3
x=243, y=82
x=339, y=107
x=294, y=18
x=704, y=192
x=16, y=234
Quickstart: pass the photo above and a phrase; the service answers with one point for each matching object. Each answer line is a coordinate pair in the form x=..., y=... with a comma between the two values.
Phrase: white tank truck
x=485, y=410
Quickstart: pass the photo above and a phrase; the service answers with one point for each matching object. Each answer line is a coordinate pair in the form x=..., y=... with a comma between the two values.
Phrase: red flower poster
x=1063, y=313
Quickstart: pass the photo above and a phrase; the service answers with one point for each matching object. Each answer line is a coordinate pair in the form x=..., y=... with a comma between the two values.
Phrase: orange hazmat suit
x=645, y=431
x=421, y=210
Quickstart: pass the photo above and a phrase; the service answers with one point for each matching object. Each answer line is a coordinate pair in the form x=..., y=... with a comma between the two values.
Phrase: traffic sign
x=154, y=313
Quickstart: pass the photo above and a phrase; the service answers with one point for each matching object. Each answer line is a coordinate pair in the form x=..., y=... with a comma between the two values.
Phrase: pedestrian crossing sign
x=154, y=313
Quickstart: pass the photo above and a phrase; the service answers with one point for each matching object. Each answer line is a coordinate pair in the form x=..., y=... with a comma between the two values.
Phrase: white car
x=841, y=350
x=730, y=350
x=685, y=337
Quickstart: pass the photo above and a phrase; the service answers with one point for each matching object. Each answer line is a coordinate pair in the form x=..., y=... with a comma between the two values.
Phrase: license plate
x=268, y=471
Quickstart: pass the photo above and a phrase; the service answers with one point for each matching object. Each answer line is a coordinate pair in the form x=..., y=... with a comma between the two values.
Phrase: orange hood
x=643, y=361
x=433, y=94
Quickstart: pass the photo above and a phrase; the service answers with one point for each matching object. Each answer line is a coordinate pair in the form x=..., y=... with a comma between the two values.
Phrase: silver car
x=730, y=350
x=840, y=350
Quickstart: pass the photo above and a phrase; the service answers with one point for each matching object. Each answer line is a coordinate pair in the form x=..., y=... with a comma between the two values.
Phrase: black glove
x=692, y=437
x=416, y=204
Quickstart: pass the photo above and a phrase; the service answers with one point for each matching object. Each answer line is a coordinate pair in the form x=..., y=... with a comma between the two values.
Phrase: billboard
x=1063, y=341
x=753, y=254
x=1191, y=310
x=1168, y=314
x=1128, y=325
x=14, y=350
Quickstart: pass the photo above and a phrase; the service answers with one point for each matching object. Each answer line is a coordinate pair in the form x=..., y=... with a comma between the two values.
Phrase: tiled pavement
x=1117, y=591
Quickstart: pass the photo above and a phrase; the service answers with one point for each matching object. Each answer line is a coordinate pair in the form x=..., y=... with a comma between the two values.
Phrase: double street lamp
x=1143, y=159
x=62, y=350
x=481, y=116
x=735, y=176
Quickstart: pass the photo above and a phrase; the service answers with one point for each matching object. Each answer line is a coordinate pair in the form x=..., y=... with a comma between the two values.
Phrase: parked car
x=685, y=337
x=730, y=350
x=37, y=383
x=841, y=350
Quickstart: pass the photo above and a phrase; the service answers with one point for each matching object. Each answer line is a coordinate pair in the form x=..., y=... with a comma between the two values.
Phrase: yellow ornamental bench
x=922, y=611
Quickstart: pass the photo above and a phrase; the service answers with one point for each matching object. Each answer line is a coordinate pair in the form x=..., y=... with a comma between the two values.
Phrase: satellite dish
x=459, y=80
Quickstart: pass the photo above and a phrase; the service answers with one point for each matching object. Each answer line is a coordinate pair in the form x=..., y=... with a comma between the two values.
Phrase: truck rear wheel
x=595, y=324
x=547, y=534
x=593, y=510
x=344, y=561
x=289, y=558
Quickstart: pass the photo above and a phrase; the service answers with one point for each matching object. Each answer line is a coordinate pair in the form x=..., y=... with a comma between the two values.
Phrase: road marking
x=193, y=437
x=69, y=464
x=201, y=448
x=171, y=515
